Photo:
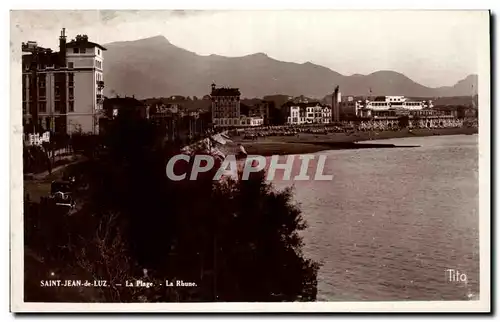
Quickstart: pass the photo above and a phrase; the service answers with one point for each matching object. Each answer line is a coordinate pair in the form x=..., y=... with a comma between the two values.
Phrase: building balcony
x=100, y=84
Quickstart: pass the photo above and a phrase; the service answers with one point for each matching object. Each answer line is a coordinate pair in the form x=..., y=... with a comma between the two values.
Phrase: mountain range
x=154, y=67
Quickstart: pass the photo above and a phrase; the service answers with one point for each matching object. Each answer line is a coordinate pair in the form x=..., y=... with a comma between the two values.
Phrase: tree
x=237, y=240
x=403, y=121
x=276, y=114
x=416, y=121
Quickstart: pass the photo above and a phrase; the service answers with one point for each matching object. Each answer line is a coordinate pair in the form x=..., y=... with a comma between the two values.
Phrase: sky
x=434, y=48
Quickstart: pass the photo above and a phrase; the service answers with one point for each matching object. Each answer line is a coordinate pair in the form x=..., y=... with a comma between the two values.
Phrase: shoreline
x=312, y=143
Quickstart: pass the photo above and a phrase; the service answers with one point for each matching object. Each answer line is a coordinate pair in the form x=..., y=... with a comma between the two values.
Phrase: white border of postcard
x=16, y=233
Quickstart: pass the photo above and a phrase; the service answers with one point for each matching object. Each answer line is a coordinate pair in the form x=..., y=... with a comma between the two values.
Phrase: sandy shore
x=310, y=143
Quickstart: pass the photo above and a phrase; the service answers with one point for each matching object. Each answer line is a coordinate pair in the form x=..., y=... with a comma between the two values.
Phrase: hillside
x=154, y=67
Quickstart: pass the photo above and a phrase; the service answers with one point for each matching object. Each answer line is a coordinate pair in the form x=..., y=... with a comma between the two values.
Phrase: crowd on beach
x=289, y=130
x=345, y=127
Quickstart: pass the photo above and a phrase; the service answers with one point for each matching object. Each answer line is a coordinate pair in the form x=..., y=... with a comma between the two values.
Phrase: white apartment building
x=294, y=116
x=326, y=114
x=63, y=90
x=251, y=120
x=85, y=61
x=307, y=113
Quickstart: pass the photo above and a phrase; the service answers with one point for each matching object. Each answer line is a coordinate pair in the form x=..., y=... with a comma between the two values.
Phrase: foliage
x=35, y=159
x=237, y=240
x=403, y=121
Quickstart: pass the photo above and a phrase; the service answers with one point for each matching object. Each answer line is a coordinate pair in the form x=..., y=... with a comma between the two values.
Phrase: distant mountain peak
x=258, y=55
x=387, y=72
x=158, y=38
x=153, y=67
x=471, y=77
x=154, y=40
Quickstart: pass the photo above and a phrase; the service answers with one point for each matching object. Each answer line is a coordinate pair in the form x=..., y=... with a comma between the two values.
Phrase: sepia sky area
x=434, y=48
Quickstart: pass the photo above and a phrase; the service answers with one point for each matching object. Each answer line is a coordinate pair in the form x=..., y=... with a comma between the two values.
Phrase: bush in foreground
x=237, y=240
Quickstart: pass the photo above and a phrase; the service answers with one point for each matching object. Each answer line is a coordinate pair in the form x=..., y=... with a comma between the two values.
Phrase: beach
x=311, y=143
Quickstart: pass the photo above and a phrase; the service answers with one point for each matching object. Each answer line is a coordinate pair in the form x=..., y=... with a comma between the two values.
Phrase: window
x=42, y=107
x=57, y=91
x=71, y=92
x=25, y=109
x=71, y=106
x=71, y=64
x=42, y=92
x=57, y=106
x=98, y=51
x=82, y=50
x=75, y=50
x=41, y=81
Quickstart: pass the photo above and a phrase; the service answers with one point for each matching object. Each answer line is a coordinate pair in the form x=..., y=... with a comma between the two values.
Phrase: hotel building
x=225, y=106
x=62, y=91
x=384, y=106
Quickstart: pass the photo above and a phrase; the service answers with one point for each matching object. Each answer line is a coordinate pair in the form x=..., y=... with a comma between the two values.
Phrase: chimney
x=62, y=48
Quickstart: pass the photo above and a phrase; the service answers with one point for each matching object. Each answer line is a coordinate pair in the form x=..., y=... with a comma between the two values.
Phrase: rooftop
x=122, y=102
x=82, y=41
x=32, y=47
x=226, y=91
x=303, y=104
